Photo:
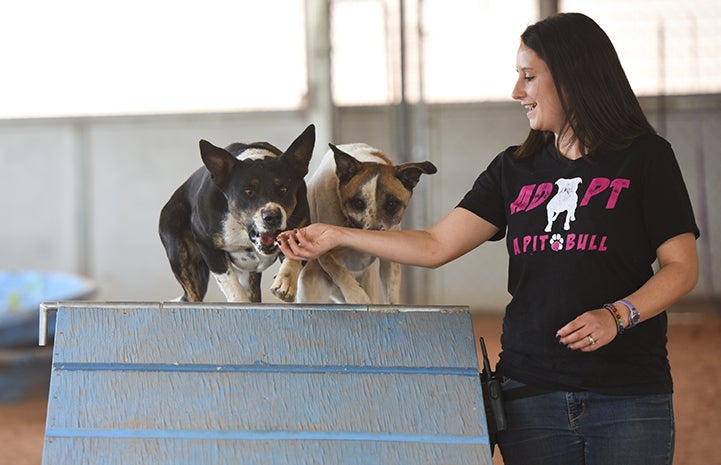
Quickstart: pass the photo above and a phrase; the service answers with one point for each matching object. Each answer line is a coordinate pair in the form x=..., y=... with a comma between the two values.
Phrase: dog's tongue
x=267, y=239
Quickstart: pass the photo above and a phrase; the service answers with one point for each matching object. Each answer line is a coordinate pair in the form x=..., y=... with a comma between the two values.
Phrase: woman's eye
x=529, y=78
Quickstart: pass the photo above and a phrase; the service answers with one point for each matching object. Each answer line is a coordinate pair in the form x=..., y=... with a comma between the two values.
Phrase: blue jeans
x=583, y=428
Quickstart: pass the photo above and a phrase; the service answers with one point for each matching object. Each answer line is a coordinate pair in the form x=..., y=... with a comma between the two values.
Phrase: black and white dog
x=225, y=218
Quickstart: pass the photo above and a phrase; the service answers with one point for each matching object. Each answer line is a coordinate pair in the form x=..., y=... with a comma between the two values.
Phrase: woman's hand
x=589, y=331
x=308, y=243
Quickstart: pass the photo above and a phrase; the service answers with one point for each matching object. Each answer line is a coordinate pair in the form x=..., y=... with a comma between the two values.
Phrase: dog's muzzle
x=264, y=241
x=273, y=221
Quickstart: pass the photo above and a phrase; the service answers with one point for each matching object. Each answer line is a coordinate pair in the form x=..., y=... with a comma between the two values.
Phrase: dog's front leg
x=390, y=273
x=570, y=216
x=222, y=270
x=230, y=286
x=352, y=291
x=551, y=215
x=285, y=283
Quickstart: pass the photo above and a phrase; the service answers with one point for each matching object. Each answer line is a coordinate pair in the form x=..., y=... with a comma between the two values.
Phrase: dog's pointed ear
x=218, y=161
x=410, y=173
x=346, y=166
x=300, y=150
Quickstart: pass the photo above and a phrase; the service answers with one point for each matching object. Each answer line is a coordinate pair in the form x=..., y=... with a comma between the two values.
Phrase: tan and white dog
x=357, y=186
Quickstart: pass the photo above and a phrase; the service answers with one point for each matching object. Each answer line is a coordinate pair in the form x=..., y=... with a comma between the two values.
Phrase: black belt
x=523, y=392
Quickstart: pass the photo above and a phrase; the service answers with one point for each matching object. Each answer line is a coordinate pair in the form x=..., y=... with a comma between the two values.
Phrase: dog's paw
x=284, y=296
x=284, y=288
x=556, y=242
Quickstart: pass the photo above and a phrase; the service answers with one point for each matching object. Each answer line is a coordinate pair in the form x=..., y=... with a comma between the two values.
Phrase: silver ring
x=593, y=341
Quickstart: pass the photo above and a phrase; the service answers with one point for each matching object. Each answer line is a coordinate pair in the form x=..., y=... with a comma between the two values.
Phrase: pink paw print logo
x=556, y=242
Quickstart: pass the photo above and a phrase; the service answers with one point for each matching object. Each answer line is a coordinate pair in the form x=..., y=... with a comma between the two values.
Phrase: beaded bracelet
x=617, y=316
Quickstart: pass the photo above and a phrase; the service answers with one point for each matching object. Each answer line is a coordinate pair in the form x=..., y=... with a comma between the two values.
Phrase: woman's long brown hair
x=602, y=111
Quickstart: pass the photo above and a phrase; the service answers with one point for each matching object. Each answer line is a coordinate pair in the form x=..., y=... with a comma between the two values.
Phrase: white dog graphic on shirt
x=565, y=200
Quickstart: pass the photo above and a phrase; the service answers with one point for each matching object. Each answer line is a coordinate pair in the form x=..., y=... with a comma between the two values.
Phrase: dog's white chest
x=250, y=260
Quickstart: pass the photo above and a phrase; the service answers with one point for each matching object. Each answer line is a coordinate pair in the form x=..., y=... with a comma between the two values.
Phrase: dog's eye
x=392, y=206
x=249, y=192
x=282, y=189
x=357, y=203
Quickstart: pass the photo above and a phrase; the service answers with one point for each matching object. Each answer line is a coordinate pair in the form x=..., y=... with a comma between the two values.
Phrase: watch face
x=634, y=317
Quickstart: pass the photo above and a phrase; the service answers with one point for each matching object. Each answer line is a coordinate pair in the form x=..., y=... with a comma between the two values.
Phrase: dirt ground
x=694, y=343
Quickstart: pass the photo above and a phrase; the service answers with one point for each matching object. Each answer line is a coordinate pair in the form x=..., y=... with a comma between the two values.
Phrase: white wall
x=83, y=195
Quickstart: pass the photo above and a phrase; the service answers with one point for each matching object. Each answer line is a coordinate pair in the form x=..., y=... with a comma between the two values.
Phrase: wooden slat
x=285, y=336
x=342, y=402
x=120, y=451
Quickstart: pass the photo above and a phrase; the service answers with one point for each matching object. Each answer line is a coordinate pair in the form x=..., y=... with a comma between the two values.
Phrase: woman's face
x=536, y=91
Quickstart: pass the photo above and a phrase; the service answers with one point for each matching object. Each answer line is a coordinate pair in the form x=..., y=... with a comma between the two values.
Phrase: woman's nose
x=517, y=92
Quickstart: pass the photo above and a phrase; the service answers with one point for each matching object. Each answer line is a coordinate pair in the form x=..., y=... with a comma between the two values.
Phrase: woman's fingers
x=590, y=331
x=302, y=244
x=289, y=243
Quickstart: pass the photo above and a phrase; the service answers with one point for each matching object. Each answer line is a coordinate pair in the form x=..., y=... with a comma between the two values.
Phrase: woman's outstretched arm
x=456, y=234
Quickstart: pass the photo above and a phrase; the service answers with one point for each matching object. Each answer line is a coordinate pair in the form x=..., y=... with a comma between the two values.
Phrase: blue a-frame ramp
x=207, y=384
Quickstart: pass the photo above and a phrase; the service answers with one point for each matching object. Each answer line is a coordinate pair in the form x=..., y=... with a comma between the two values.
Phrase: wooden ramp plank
x=150, y=451
x=268, y=401
x=266, y=384
x=284, y=336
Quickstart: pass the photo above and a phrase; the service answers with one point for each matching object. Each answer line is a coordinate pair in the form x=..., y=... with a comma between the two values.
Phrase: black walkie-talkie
x=492, y=398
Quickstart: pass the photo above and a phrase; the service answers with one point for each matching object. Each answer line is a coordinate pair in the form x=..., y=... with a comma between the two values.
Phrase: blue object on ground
x=25, y=367
x=22, y=292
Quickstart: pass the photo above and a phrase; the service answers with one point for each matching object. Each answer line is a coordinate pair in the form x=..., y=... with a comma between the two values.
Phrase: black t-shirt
x=581, y=233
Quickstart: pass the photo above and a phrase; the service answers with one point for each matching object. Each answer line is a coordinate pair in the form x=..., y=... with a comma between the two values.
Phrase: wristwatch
x=633, y=316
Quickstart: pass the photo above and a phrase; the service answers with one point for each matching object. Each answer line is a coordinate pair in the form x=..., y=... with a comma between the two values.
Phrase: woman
x=587, y=203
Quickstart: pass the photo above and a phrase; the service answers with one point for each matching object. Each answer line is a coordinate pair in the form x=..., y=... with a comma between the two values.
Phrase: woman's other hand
x=589, y=331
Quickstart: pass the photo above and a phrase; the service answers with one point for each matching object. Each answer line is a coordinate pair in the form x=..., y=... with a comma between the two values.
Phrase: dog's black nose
x=272, y=218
